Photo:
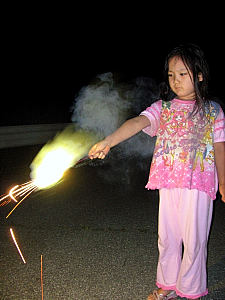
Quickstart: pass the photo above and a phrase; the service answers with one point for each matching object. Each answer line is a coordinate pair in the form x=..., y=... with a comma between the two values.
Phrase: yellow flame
x=58, y=155
x=52, y=167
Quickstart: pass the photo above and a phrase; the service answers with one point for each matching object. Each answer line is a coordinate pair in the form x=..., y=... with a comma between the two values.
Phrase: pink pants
x=184, y=217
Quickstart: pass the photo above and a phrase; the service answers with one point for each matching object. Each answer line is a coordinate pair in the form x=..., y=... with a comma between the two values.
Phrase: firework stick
x=15, y=242
x=82, y=159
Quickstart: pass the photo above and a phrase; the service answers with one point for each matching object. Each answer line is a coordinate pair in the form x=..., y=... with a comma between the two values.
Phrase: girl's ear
x=200, y=77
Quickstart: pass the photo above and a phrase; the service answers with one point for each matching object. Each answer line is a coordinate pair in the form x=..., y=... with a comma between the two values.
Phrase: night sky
x=44, y=72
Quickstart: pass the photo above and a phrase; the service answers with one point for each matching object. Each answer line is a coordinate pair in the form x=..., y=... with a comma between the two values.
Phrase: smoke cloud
x=105, y=104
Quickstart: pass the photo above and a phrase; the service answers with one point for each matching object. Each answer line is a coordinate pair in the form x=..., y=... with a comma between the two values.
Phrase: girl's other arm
x=219, y=149
x=124, y=132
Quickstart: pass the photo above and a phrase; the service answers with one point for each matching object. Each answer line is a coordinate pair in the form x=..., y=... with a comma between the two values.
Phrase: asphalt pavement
x=96, y=232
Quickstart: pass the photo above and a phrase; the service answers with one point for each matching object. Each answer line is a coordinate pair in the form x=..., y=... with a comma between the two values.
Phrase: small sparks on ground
x=42, y=289
x=15, y=242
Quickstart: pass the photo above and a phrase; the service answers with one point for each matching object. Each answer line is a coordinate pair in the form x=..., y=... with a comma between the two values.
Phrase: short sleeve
x=153, y=114
x=219, y=127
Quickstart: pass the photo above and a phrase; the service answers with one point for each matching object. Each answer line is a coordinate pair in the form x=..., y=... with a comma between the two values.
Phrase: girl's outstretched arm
x=219, y=149
x=124, y=132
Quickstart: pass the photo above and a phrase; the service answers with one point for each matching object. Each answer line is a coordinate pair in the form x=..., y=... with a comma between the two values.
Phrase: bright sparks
x=18, y=193
x=67, y=149
x=52, y=167
x=22, y=192
x=58, y=155
x=15, y=242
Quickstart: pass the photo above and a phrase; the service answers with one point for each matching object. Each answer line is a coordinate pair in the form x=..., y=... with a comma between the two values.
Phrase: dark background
x=47, y=58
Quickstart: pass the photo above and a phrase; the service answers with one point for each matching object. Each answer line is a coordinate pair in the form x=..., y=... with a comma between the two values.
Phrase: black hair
x=194, y=60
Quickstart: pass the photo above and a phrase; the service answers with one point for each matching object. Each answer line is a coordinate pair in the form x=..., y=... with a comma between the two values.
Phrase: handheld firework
x=67, y=149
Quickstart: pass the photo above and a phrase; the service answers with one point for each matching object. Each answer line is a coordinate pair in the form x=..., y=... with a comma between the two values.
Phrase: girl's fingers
x=93, y=152
x=96, y=154
x=101, y=155
x=98, y=151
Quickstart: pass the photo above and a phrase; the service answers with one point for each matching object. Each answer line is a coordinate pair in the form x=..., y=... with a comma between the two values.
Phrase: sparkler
x=20, y=192
x=24, y=190
x=10, y=194
x=67, y=149
x=15, y=242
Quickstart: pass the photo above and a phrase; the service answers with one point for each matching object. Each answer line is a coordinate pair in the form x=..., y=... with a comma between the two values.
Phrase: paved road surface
x=97, y=237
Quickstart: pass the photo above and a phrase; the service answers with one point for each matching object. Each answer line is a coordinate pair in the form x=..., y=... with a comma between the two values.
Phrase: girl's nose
x=176, y=79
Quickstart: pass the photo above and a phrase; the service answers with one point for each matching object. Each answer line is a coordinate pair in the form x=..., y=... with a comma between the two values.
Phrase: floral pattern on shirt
x=184, y=152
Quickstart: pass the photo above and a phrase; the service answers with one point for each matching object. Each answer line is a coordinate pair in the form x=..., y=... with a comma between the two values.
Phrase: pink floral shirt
x=184, y=152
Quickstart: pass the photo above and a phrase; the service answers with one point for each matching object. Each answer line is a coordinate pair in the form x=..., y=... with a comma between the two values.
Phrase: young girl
x=187, y=164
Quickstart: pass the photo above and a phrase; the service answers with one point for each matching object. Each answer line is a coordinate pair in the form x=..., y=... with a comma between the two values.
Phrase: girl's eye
x=182, y=74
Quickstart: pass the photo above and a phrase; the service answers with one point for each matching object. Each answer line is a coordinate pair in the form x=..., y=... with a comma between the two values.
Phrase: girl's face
x=181, y=79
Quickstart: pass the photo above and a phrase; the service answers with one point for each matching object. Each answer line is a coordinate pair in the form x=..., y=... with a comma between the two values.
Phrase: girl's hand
x=99, y=150
x=222, y=191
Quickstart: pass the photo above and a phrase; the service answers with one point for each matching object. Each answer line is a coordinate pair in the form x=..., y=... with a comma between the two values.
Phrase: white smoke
x=106, y=103
x=100, y=107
